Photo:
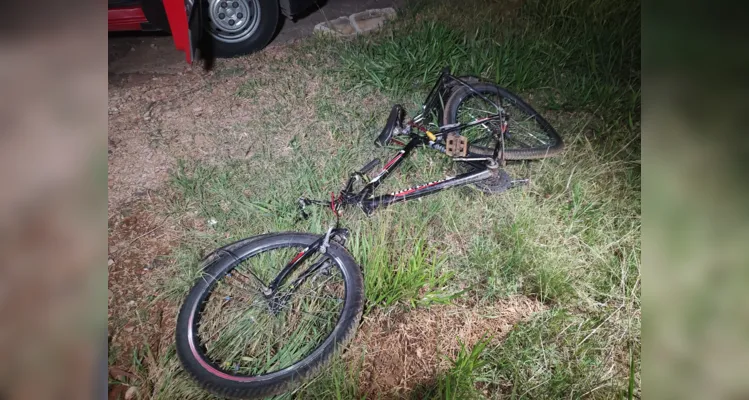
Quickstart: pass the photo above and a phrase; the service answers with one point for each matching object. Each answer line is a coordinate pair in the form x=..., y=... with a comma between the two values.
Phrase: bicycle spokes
x=248, y=331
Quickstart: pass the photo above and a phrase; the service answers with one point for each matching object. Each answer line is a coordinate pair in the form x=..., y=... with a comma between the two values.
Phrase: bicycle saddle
x=395, y=120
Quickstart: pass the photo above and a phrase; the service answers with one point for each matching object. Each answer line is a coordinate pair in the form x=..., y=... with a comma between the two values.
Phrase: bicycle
x=274, y=329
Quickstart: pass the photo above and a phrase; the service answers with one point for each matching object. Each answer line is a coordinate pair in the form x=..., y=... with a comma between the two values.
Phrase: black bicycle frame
x=435, y=99
x=365, y=198
x=368, y=203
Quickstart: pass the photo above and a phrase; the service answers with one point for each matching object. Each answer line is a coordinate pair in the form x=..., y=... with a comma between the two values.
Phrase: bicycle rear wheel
x=529, y=136
x=238, y=341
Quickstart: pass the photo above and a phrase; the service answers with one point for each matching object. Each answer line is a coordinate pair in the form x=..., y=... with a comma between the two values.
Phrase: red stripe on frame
x=409, y=191
x=391, y=162
x=298, y=256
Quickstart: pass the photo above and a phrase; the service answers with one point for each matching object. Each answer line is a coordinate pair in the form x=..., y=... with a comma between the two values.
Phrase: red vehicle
x=235, y=27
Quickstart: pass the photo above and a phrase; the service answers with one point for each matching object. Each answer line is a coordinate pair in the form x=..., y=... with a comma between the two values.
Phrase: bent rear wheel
x=236, y=339
x=529, y=136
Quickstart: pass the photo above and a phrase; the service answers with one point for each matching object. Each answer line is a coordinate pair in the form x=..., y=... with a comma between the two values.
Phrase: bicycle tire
x=459, y=95
x=217, y=265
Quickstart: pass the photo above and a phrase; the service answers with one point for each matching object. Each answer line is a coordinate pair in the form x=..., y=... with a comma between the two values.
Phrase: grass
x=579, y=54
x=339, y=382
x=571, y=239
x=459, y=382
x=389, y=278
x=561, y=354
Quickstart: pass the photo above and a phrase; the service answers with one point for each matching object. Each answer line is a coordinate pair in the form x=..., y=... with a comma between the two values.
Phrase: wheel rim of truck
x=233, y=21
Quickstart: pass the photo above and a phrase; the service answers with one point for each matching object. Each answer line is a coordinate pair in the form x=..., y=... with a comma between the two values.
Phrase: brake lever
x=326, y=241
x=302, y=202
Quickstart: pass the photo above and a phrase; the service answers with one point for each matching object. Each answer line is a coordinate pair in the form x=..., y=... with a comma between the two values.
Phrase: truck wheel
x=241, y=27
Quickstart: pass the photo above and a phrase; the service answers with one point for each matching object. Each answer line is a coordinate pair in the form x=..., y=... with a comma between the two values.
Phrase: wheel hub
x=230, y=16
x=233, y=20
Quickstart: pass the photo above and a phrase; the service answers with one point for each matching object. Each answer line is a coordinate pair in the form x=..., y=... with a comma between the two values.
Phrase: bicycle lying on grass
x=269, y=311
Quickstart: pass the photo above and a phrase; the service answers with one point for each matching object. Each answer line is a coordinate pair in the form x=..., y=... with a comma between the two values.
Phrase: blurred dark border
x=53, y=203
x=695, y=148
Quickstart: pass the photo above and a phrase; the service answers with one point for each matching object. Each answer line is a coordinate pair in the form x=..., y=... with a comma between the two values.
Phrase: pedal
x=456, y=145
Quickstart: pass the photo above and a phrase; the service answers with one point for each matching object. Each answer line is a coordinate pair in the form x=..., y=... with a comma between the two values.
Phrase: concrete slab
x=371, y=20
x=340, y=26
x=356, y=23
x=328, y=11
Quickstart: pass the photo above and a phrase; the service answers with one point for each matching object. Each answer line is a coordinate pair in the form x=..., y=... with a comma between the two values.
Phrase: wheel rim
x=523, y=129
x=233, y=21
x=242, y=334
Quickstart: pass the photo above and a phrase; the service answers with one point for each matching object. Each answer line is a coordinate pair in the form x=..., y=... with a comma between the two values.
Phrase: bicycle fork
x=278, y=300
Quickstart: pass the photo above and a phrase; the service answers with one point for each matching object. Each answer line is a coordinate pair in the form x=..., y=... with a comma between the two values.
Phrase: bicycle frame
x=484, y=168
x=365, y=200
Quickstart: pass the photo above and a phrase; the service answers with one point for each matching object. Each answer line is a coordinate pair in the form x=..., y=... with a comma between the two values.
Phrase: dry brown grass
x=404, y=350
x=139, y=243
x=156, y=119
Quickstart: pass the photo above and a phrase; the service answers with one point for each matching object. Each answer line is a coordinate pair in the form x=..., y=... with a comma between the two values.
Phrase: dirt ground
x=162, y=109
x=406, y=351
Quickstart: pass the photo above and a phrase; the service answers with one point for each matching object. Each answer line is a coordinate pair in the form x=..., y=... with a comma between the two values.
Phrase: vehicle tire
x=529, y=136
x=239, y=27
x=255, y=366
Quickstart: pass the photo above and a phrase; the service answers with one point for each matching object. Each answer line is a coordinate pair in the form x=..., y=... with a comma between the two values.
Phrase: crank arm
x=472, y=158
x=519, y=182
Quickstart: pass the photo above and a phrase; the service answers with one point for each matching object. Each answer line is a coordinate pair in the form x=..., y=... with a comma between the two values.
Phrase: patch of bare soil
x=149, y=129
x=138, y=243
x=157, y=117
x=405, y=351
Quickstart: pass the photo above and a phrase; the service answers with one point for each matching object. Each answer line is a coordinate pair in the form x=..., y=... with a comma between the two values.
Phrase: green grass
x=560, y=354
x=570, y=240
x=578, y=54
x=338, y=382
x=459, y=382
x=392, y=276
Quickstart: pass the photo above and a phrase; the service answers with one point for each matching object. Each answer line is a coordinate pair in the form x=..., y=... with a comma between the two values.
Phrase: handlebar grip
x=370, y=166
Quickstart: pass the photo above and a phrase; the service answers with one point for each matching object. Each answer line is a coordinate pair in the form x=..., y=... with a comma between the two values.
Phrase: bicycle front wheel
x=529, y=136
x=238, y=340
